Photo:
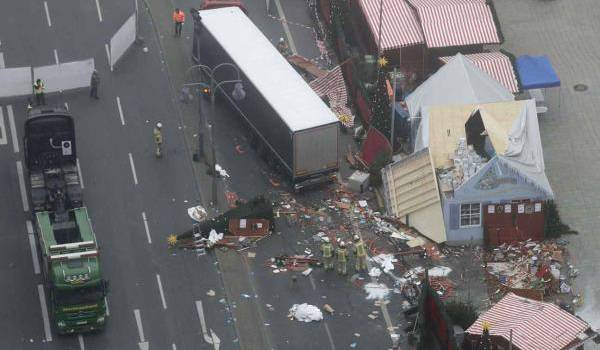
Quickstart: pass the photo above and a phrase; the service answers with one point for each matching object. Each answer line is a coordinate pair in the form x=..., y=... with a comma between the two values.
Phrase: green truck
x=67, y=242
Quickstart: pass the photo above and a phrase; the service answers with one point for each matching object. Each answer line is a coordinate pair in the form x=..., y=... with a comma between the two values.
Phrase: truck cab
x=51, y=160
x=72, y=269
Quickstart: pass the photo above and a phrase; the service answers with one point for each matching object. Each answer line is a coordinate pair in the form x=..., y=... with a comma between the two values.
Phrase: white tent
x=457, y=82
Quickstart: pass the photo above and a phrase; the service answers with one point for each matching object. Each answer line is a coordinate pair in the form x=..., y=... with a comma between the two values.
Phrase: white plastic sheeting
x=122, y=40
x=376, y=291
x=65, y=76
x=306, y=312
x=15, y=81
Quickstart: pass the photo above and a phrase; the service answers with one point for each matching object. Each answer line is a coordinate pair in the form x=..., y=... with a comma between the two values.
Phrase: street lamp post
x=238, y=94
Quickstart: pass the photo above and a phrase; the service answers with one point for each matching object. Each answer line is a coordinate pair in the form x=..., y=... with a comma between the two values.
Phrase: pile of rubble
x=532, y=269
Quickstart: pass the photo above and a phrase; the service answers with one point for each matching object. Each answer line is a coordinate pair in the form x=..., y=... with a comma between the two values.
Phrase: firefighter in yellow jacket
x=360, y=252
x=342, y=259
x=327, y=250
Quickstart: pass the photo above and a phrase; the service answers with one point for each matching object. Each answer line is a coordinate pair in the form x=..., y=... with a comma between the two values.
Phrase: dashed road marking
x=146, y=228
x=99, y=11
x=45, y=317
x=56, y=57
x=47, y=14
x=3, y=134
x=80, y=175
x=138, y=322
x=81, y=343
x=329, y=336
x=22, y=186
x=13, y=128
x=135, y=179
x=312, y=282
x=29, y=225
x=34, y=254
x=173, y=346
x=2, y=64
x=120, y=110
x=66, y=106
x=162, y=294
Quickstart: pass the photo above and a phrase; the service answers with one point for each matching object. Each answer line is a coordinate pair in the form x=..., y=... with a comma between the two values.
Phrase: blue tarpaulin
x=536, y=72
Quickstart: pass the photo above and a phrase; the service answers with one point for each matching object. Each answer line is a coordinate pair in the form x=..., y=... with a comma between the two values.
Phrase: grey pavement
x=567, y=33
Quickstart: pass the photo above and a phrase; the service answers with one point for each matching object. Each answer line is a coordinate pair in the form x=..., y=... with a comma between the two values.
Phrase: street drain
x=580, y=87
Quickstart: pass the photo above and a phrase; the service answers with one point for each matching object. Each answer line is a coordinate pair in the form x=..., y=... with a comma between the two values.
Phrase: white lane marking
x=2, y=64
x=42, y=296
x=200, y=311
x=67, y=106
x=146, y=228
x=173, y=346
x=162, y=294
x=329, y=336
x=47, y=14
x=81, y=343
x=80, y=175
x=286, y=28
x=120, y=110
x=34, y=254
x=135, y=180
x=312, y=282
x=22, y=186
x=56, y=57
x=138, y=321
x=29, y=225
x=106, y=303
x=99, y=11
x=3, y=134
x=13, y=128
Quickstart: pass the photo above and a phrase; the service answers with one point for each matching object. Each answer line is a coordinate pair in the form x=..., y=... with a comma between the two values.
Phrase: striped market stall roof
x=333, y=86
x=535, y=324
x=399, y=24
x=448, y=23
x=498, y=65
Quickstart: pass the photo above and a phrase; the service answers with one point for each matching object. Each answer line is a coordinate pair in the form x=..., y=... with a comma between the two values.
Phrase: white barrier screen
x=122, y=40
x=65, y=76
x=15, y=81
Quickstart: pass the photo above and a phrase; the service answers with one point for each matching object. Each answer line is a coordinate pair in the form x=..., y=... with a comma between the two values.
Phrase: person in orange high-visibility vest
x=178, y=18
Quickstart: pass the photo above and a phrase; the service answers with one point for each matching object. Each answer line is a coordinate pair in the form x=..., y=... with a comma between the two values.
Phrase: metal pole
x=380, y=21
x=213, y=158
x=393, y=111
x=510, y=341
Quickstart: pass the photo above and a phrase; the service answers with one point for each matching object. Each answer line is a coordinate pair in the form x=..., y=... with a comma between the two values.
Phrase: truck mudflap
x=314, y=181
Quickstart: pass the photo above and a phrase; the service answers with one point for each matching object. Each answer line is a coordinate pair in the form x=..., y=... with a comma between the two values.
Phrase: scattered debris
x=251, y=254
x=328, y=308
x=305, y=313
x=197, y=213
x=375, y=272
x=386, y=261
x=307, y=271
x=222, y=172
x=439, y=271
x=211, y=293
x=376, y=291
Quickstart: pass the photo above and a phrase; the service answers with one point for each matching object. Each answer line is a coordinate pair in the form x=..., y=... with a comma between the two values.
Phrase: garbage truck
x=291, y=126
x=70, y=254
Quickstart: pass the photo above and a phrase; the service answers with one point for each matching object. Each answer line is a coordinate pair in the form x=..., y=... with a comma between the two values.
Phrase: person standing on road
x=327, y=250
x=178, y=18
x=342, y=259
x=38, y=90
x=158, y=139
x=94, y=82
x=283, y=47
x=360, y=252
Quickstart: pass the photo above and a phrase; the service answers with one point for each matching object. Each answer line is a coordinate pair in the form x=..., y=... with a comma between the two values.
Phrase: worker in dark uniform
x=38, y=90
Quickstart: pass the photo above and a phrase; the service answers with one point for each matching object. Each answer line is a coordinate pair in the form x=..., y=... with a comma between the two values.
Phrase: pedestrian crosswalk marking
x=3, y=135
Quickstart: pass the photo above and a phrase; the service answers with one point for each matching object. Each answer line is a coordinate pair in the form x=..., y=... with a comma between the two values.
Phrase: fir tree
x=380, y=103
x=485, y=343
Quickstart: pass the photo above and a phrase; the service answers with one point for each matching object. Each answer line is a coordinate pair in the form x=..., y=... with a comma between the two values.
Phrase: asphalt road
x=159, y=288
x=156, y=293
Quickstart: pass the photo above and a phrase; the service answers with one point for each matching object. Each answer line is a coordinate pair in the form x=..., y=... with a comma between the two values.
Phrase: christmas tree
x=485, y=343
x=380, y=103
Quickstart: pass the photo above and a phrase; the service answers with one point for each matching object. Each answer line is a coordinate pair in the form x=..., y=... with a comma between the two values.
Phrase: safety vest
x=360, y=248
x=342, y=254
x=179, y=17
x=157, y=136
x=38, y=88
x=327, y=249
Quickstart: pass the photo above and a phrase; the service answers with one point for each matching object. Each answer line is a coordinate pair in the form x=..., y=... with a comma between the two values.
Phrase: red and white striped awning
x=333, y=86
x=535, y=324
x=399, y=24
x=448, y=23
x=497, y=65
